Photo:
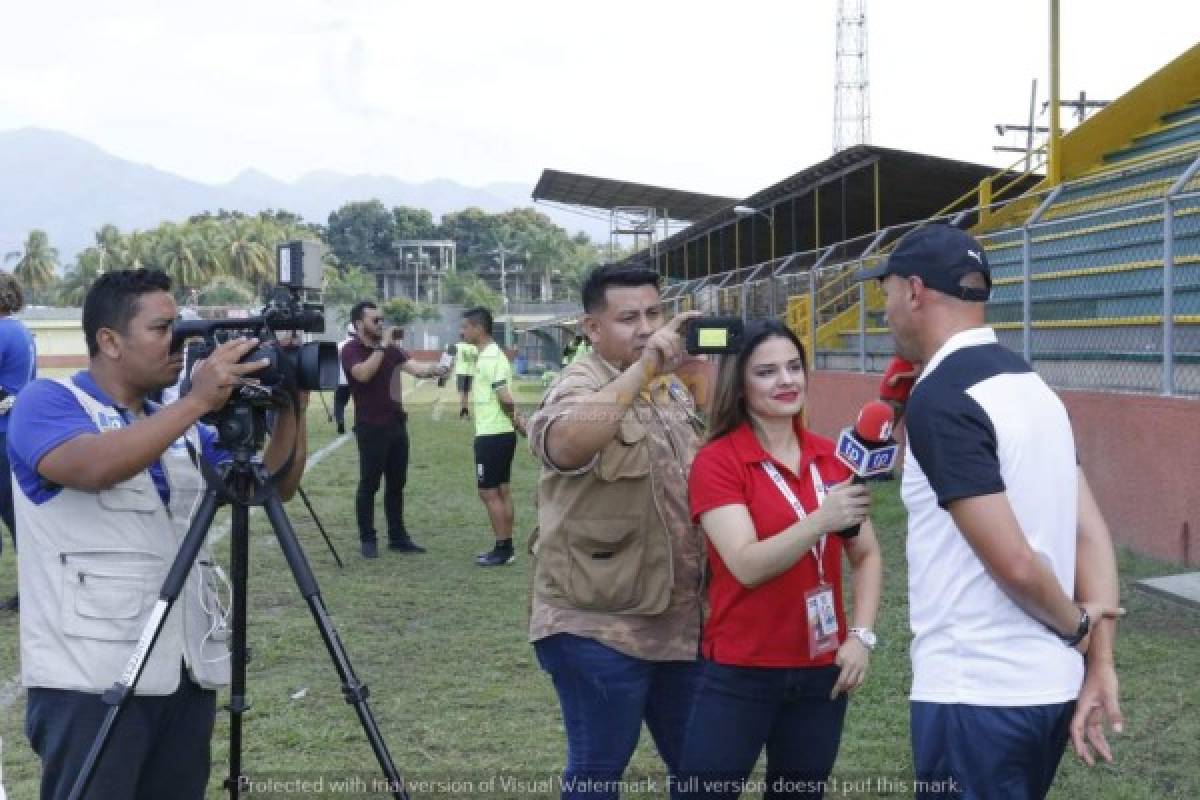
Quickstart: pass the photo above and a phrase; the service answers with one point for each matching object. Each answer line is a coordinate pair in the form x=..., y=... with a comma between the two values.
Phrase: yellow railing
x=836, y=306
x=831, y=311
x=1135, y=112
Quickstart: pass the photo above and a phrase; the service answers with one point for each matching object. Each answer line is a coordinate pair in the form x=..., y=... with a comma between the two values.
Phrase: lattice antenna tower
x=852, y=96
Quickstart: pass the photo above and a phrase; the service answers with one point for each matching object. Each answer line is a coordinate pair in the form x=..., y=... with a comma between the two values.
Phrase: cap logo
x=975, y=254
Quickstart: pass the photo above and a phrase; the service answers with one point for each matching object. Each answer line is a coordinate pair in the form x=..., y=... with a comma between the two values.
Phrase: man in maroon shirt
x=373, y=362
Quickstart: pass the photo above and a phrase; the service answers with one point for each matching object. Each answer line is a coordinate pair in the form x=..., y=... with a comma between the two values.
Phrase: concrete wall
x=1141, y=455
x=59, y=342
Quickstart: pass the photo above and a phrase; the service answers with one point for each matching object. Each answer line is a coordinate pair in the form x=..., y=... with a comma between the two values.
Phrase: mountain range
x=69, y=187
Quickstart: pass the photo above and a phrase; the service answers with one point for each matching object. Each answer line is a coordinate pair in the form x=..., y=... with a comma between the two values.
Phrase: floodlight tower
x=852, y=97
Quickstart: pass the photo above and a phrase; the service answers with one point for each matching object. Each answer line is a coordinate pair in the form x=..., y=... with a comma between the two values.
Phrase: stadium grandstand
x=1095, y=248
x=1095, y=251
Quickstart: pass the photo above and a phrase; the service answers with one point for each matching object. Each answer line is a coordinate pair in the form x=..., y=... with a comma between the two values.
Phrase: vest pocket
x=107, y=595
x=137, y=494
x=627, y=456
x=605, y=559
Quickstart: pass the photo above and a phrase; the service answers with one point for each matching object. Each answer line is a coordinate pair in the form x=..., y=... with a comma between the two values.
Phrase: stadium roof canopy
x=912, y=187
x=846, y=198
x=585, y=190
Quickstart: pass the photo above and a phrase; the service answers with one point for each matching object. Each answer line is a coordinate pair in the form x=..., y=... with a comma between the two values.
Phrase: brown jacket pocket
x=627, y=456
x=605, y=562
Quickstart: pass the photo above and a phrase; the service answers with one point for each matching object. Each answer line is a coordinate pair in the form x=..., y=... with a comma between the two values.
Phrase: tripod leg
x=312, y=513
x=120, y=692
x=328, y=415
x=239, y=566
x=355, y=692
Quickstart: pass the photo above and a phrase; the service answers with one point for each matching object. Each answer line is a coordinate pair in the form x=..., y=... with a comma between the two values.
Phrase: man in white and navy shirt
x=1011, y=567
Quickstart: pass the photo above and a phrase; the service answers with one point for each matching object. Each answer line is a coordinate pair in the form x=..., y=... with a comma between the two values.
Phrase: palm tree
x=247, y=257
x=141, y=251
x=112, y=246
x=80, y=276
x=211, y=241
x=177, y=253
x=37, y=265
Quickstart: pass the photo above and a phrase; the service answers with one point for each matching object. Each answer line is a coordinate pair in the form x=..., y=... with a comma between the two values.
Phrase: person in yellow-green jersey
x=496, y=426
x=582, y=348
x=465, y=355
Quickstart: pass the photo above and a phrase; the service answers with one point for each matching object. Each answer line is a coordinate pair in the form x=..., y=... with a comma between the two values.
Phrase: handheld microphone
x=444, y=364
x=868, y=448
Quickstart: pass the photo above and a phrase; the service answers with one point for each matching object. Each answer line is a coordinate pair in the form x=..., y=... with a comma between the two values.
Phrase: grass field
x=459, y=696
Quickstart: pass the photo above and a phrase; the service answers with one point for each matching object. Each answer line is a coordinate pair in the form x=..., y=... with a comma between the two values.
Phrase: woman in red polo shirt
x=779, y=658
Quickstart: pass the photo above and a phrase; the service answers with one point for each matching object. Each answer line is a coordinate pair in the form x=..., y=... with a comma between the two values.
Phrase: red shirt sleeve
x=899, y=393
x=718, y=478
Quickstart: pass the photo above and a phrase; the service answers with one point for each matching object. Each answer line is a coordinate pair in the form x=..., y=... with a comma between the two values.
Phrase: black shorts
x=464, y=382
x=493, y=459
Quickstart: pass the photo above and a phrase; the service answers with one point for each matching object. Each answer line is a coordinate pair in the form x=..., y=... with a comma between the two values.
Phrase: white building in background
x=420, y=270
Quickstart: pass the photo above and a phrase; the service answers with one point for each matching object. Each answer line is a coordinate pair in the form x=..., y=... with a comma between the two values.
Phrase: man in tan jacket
x=617, y=596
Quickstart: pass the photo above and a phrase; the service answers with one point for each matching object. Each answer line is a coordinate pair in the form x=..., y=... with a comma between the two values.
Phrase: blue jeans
x=983, y=752
x=740, y=710
x=604, y=696
x=159, y=747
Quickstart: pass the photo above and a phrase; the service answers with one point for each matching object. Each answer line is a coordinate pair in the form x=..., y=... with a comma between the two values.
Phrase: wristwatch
x=1085, y=625
x=866, y=636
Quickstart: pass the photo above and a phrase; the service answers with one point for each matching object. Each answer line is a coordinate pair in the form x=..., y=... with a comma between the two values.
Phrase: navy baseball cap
x=941, y=256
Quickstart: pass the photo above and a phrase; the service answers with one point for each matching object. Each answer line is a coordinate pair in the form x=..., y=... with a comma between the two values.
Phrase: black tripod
x=312, y=513
x=241, y=483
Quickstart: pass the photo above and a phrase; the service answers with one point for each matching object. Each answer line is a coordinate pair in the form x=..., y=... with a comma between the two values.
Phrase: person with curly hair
x=18, y=366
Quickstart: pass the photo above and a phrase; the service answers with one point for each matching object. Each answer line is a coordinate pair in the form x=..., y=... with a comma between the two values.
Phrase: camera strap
x=286, y=467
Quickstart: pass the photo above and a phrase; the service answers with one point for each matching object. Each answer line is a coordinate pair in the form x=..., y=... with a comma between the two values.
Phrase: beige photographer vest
x=90, y=568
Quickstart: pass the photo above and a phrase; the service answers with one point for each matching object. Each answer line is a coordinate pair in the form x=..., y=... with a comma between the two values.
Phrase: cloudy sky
x=720, y=97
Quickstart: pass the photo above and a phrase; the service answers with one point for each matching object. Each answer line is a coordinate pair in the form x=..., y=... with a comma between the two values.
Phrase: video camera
x=714, y=336
x=312, y=366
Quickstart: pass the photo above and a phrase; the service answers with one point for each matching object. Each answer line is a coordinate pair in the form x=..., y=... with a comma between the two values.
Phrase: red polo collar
x=747, y=447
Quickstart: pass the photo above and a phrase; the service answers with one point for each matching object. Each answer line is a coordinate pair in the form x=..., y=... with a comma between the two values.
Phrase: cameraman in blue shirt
x=107, y=484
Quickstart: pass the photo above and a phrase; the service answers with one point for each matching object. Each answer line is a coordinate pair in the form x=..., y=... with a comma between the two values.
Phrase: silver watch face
x=868, y=637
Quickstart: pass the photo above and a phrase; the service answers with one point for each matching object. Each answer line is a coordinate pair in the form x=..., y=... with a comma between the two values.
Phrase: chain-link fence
x=1096, y=282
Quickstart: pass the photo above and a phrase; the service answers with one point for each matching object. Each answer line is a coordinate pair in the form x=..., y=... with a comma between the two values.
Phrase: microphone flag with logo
x=868, y=448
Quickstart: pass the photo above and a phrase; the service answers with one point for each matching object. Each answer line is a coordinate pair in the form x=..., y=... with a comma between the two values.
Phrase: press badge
x=818, y=602
x=822, y=620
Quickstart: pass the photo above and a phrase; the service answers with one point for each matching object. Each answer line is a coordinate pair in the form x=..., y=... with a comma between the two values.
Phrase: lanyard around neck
x=818, y=549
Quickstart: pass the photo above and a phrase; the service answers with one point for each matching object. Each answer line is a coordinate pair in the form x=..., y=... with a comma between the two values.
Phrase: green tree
x=178, y=249
x=346, y=286
x=36, y=264
x=413, y=223
x=211, y=248
x=471, y=290
x=80, y=276
x=142, y=251
x=226, y=290
x=246, y=257
x=400, y=311
x=475, y=234
x=112, y=248
x=363, y=233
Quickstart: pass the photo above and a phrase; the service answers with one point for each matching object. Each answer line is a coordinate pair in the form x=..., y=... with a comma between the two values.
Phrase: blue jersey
x=48, y=415
x=18, y=359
